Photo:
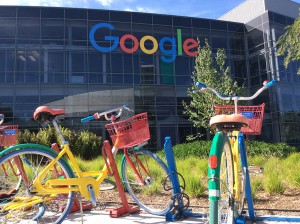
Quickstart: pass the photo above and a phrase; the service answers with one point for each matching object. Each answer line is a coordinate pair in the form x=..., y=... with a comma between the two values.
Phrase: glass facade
x=47, y=58
x=282, y=107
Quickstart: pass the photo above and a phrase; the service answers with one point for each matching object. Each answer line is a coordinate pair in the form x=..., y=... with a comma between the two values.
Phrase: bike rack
x=180, y=211
x=248, y=193
x=125, y=208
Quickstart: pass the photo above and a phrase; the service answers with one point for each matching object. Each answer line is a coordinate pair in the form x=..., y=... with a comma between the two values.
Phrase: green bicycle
x=228, y=175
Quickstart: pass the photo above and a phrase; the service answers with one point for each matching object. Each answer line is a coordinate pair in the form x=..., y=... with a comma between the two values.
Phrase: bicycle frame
x=238, y=147
x=235, y=154
x=140, y=164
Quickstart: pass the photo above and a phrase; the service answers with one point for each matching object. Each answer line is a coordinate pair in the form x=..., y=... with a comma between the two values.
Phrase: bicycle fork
x=242, y=148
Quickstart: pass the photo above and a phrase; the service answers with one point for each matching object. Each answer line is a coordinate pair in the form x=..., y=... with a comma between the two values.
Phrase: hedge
x=84, y=144
x=200, y=149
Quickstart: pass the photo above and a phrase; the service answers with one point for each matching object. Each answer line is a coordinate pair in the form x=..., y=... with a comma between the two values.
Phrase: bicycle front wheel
x=9, y=171
x=28, y=204
x=240, y=189
x=153, y=192
x=221, y=181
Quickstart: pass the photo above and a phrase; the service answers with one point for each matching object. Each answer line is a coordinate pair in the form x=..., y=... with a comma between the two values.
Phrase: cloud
x=143, y=9
x=105, y=2
x=55, y=3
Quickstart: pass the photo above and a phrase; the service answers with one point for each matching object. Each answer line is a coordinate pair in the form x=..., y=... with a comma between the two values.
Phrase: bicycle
x=51, y=179
x=135, y=167
x=8, y=137
x=228, y=167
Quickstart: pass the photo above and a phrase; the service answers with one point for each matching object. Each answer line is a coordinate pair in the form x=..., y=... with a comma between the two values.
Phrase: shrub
x=84, y=144
x=280, y=150
x=199, y=149
x=87, y=145
x=24, y=136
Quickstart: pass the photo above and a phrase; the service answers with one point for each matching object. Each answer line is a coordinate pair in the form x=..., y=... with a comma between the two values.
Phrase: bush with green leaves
x=84, y=144
x=280, y=150
x=87, y=145
x=200, y=149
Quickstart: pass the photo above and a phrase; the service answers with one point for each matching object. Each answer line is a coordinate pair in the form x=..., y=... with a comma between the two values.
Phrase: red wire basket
x=8, y=135
x=254, y=113
x=130, y=132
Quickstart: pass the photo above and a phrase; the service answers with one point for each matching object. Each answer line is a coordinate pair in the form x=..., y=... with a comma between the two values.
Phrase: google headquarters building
x=89, y=60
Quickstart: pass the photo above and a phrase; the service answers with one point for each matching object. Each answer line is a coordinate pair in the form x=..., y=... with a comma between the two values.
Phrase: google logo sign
x=189, y=46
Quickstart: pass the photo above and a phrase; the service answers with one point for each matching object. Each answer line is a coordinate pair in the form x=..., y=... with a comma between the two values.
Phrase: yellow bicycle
x=50, y=179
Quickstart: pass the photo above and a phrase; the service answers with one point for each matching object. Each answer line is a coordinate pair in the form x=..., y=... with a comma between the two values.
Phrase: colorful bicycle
x=51, y=179
x=228, y=167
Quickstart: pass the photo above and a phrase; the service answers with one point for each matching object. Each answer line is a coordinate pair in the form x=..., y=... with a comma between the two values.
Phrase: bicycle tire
x=241, y=192
x=221, y=180
x=48, y=208
x=150, y=196
x=107, y=185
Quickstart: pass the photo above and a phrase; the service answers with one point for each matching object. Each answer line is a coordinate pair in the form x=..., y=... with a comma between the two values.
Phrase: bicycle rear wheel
x=150, y=193
x=221, y=180
x=26, y=205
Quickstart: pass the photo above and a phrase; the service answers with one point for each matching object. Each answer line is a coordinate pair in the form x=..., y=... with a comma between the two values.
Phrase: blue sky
x=211, y=9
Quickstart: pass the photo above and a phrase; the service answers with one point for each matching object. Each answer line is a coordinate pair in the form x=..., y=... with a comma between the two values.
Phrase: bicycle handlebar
x=96, y=116
x=204, y=87
x=1, y=118
x=270, y=84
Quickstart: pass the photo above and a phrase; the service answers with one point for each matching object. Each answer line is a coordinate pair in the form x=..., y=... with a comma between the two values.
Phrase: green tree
x=211, y=70
x=289, y=44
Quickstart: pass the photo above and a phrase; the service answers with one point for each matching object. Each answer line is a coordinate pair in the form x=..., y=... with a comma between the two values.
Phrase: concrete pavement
x=103, y=217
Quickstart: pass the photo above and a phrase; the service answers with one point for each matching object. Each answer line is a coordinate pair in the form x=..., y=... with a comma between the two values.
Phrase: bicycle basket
x=8, y=135
x=130, y=132
x=254, y=113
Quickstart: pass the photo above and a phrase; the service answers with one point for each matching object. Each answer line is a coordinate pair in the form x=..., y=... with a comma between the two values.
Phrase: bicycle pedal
x=256, y=169
x=92, y=194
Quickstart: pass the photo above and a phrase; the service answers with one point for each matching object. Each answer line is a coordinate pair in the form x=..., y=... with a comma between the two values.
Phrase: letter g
x=110, y=38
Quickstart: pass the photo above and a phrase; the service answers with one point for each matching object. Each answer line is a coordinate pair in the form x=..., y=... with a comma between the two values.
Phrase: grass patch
x=273, y=183
x=291, y=170
x=257, y=185
x=279, y=173
x=194, y=186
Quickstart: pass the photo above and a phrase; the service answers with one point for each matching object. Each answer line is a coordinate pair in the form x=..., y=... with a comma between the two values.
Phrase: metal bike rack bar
x=249, y=198
x=125, y=208
x=180, y=212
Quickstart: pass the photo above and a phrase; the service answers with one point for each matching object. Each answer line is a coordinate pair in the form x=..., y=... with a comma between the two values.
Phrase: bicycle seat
x=229, y=122
x=44, y=113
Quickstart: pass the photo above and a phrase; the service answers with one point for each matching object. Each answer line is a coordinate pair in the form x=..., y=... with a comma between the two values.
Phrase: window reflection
x=54, y=53
x=29, y=28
